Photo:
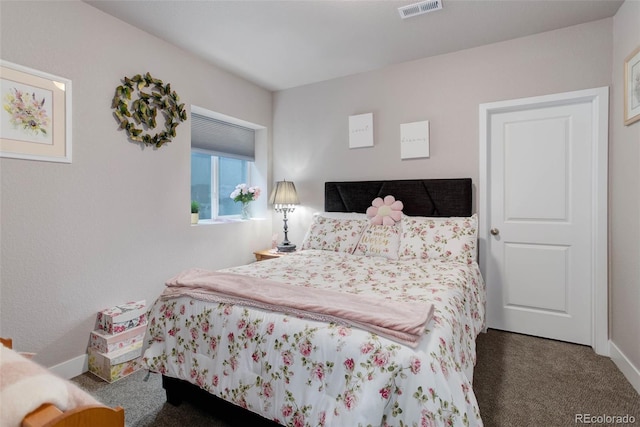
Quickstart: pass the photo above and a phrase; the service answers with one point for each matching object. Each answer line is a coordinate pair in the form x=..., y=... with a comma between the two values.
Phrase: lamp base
x=286, y=247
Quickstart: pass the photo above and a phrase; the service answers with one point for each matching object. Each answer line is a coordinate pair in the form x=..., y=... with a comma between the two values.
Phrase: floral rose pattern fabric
x=449, y=239
x=333, y=234
x=300, y=372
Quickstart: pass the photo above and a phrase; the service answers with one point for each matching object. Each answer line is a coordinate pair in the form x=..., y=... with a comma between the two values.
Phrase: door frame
x=599, y=100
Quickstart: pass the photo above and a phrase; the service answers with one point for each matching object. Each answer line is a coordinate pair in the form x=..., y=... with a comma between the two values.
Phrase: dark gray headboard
x=420, y=197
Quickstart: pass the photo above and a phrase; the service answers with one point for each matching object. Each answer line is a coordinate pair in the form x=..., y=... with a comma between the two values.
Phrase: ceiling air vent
x=419, y=8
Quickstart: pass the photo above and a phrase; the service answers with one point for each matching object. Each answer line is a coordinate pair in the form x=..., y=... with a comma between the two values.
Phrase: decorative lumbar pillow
x=333, y=234
x=379, y=240
x=449, y=239
x=385, y=211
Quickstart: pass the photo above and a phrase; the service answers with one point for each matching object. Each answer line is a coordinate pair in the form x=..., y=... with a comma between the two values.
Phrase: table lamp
x=284, y=198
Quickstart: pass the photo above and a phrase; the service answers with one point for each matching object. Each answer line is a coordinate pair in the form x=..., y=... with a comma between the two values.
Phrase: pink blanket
x=404, y=322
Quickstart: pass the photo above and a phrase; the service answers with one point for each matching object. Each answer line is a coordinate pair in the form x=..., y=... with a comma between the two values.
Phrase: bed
x=34, y=397
x=300, y=369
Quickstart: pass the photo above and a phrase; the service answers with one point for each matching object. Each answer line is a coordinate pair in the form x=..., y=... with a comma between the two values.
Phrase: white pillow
x=450, y=239
x=379, y=240
x=332, y=234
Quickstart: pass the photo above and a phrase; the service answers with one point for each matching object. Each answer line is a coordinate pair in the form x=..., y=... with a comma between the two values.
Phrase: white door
x=542, y=196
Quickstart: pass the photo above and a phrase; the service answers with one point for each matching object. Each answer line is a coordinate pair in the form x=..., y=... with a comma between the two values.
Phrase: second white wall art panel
x=361, y=130
x=414, y=140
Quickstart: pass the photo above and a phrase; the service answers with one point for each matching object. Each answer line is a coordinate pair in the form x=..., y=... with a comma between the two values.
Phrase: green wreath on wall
x=140, y=115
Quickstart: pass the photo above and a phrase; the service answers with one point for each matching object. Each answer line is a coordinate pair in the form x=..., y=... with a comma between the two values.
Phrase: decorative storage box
x=107, y=343
x=116, y=365
x=122, y=317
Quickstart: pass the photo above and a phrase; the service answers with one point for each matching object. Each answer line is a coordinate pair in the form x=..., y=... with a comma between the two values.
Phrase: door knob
x=494, y=231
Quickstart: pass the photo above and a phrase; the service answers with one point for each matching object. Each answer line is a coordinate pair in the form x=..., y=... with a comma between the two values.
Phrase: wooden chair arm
x=48, y=415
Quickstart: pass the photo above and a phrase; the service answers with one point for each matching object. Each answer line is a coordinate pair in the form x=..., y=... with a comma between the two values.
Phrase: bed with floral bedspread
x=304, y=372
x=297, y=370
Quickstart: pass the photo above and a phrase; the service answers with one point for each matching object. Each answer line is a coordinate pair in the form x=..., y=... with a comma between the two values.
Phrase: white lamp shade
x=284, y=193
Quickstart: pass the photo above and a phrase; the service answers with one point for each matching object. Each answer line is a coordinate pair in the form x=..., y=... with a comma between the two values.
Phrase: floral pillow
x=450, y=239
x=334, y=234
x=379, y=240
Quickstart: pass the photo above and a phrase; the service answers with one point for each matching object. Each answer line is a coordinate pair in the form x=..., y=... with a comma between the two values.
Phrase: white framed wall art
x=361, y=130
x=414, y=140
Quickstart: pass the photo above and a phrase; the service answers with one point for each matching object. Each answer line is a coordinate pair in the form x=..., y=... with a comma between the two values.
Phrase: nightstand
x=268, y=254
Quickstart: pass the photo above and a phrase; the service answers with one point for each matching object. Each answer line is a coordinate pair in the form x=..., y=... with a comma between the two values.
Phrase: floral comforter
x=301, y=372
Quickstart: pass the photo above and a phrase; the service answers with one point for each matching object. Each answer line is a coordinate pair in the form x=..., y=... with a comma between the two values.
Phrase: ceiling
x=284, y=44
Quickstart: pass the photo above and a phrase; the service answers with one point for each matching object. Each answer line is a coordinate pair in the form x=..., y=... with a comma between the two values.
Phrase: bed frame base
x=179, y=391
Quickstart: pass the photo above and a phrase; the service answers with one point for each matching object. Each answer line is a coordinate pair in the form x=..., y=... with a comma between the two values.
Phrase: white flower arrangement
x=245, y=194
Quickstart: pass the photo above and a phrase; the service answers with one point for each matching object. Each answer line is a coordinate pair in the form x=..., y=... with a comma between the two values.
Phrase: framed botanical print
x=632, y=87
x=35, y=119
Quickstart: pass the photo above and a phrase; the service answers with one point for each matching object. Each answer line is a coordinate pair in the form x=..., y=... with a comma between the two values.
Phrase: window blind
x=222, y=138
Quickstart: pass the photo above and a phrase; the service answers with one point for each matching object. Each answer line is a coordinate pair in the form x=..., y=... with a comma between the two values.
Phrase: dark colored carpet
x=526, y=381
x=519, y=381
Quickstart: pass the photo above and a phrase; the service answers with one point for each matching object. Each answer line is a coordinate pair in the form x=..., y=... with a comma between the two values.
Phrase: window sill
x=225, y=221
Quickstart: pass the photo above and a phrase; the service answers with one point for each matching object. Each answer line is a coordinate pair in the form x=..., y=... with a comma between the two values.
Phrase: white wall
x=310, y=126
x=624, y=173
x=115, y=224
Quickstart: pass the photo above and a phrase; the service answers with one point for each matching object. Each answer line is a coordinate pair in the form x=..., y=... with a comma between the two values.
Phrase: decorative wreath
x=144, y=109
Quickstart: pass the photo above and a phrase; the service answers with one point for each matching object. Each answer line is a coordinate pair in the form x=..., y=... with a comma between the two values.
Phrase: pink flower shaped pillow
x=385, y=212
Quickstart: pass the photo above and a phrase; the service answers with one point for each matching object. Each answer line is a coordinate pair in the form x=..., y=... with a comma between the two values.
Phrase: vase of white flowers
x=245, y=195
x=244, y=214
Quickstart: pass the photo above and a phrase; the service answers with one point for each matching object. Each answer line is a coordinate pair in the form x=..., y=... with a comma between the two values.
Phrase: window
x=221, y=157
x=213, y=178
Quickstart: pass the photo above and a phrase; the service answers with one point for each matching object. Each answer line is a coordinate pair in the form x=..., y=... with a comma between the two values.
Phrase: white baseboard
x=72, y=367
x=631, y=372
